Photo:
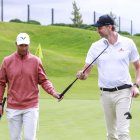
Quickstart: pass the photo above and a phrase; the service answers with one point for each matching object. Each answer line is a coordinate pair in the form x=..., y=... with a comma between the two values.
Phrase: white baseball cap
x=23, y=38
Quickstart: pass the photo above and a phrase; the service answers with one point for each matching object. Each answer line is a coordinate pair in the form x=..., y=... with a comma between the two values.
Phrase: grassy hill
x=61, y=45
x=64, y=50
x=79, y=115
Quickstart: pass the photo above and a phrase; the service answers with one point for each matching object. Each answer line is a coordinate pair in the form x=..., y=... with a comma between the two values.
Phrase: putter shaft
x=3, y=103
x=63, y=93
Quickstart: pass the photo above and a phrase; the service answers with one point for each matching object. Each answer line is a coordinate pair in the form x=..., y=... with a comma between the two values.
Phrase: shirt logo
x=121, y=50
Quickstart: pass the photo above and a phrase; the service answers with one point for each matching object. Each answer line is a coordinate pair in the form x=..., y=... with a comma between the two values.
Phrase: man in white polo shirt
x=114, y=79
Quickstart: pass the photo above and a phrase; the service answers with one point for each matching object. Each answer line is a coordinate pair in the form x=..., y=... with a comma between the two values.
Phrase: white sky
x=41, y=10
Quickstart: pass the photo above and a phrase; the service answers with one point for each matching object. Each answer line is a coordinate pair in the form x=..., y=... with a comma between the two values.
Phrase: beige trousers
x=115, y=105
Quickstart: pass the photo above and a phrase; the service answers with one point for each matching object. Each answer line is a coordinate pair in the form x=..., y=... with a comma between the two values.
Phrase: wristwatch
x=136, y=85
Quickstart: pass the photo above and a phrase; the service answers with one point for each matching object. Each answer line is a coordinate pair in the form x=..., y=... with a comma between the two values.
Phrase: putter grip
x=62, y=94
x=3, y=103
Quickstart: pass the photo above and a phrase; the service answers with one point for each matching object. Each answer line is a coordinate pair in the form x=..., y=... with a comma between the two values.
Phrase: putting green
x=73, y=119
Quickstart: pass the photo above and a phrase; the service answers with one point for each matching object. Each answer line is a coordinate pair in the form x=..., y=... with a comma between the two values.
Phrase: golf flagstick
x=63, y=93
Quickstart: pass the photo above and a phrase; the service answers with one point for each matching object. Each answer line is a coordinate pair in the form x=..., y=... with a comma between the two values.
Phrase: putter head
x=129, y=116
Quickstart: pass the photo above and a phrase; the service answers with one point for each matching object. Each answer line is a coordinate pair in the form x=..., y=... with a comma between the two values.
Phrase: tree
x=117, y=22
x=113, y=16
x=77, y=17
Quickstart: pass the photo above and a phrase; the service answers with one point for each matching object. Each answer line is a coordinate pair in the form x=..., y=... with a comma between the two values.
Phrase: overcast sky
x=41, y=10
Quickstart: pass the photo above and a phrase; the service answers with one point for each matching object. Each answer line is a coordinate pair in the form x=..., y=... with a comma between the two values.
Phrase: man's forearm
x=137, y=78
x=137, y=72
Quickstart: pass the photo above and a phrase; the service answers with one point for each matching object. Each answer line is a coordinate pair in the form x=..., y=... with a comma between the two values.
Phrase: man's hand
x=57, y=96
x=82, y=76
x=135, y=91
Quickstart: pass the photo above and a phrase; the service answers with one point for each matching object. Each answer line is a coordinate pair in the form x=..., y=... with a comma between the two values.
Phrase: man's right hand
x=82, y=76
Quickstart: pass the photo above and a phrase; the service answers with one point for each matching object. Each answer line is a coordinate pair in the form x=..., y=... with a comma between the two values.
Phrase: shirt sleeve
x=3, y=80
x=134, y=55
x=44, y=81
x=92, y=54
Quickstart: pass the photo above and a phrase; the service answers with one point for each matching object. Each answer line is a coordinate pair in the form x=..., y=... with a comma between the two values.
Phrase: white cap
x=23, y=38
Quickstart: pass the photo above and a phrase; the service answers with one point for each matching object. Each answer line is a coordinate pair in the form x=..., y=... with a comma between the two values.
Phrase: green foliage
x=138, y=34
x=33, y=22
x=77, y=17
x=124, y=33
x=82, y=26
x=16, y=20
x=29, y=22
x=87, y=27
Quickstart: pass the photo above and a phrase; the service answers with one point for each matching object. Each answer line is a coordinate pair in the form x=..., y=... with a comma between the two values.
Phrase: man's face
x=22, y=49
x=104, y=31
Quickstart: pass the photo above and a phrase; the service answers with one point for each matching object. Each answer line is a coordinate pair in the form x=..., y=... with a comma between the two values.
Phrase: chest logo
x=121, y=50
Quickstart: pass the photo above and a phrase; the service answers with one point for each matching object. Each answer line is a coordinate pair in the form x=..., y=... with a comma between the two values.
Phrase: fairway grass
x=73, y=119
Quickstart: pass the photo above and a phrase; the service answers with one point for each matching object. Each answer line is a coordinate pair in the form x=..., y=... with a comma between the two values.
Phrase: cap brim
x=97, y=25
x=21, y=42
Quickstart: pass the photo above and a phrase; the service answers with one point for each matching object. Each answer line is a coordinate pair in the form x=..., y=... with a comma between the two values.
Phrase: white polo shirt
x=113, y=64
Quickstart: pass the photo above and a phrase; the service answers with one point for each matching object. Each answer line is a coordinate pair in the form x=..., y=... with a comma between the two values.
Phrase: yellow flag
x=39, y=52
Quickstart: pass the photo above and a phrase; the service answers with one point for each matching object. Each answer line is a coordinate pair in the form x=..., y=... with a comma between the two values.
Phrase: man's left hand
x=134, y=91
x=57, y=96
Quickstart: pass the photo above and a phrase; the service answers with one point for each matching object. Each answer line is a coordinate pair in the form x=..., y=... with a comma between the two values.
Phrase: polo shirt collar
x=17, y=55
x=120, y=38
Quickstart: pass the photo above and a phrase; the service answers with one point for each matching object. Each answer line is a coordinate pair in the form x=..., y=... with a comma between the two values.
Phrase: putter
x=128, y=114
x=3, y=103
x=63, y=93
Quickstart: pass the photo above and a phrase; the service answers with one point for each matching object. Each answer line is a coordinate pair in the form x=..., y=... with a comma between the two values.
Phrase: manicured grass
x=73, y=119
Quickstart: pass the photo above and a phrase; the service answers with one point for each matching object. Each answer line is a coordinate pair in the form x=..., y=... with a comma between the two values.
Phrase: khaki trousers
x=115, y=105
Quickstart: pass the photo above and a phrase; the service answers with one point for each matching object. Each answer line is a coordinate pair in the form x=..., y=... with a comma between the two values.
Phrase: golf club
x=128, y=114
x=62, y=94
x=3, y=103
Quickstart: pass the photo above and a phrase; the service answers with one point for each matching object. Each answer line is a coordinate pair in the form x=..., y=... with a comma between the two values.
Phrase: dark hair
x=113, y=28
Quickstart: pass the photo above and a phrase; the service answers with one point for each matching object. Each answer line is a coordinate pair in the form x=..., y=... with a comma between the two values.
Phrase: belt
x=116, y=88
